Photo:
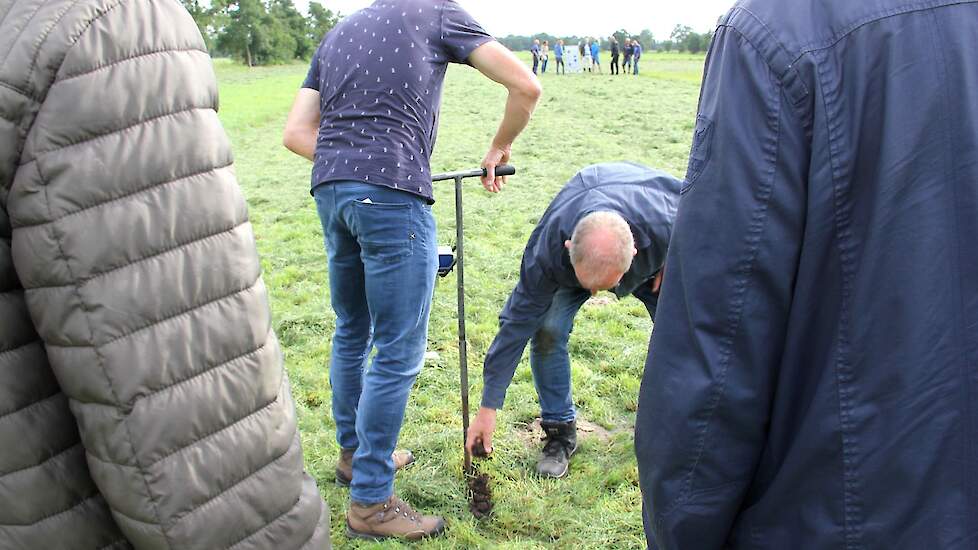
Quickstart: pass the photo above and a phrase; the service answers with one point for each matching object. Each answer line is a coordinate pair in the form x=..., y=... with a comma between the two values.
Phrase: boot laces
x=555, y=447
x=403, y=508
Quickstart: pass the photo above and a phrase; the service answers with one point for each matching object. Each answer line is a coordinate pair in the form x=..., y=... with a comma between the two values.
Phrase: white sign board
x=572, y=59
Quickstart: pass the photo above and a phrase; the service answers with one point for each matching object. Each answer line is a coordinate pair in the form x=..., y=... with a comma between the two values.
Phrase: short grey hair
x=601, y=261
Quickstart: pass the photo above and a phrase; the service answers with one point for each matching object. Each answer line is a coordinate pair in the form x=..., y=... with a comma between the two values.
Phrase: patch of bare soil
x=601, y=301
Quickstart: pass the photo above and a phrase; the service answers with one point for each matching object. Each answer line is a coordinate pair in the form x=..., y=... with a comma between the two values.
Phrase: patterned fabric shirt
x=380, y=73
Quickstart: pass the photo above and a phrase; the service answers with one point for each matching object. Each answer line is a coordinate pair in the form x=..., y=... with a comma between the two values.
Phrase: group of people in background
x=590, y=54
x=632, y=51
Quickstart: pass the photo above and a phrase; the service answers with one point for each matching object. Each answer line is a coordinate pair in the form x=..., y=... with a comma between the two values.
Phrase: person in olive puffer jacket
x=143, y=402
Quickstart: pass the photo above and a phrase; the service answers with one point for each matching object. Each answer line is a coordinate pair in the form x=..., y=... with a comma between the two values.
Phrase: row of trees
x=682, y=38
x=261, y=32
x=264, y=32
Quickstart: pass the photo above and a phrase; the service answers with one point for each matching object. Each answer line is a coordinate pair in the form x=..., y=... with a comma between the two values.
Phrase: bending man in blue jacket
x=607, y=229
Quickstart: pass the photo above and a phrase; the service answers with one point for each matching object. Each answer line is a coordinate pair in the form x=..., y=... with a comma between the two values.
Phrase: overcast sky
x=577, y=17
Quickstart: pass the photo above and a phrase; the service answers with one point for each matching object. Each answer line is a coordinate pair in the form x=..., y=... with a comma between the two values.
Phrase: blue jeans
x=382, y=251
x=635, y=67
x=549, y=359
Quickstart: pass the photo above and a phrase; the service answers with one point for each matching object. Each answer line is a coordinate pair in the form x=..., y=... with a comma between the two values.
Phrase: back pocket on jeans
x=384, y=230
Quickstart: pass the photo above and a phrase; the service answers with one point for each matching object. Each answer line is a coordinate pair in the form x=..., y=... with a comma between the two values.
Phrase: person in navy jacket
x=816, y=384
x=607, y=229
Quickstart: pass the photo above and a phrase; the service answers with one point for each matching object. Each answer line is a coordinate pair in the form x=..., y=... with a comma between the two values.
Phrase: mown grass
x=582, y=119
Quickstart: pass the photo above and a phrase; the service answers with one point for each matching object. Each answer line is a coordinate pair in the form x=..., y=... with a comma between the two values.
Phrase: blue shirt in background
x=558, y=51
x=595, y=50
x=380, y=73
x=637, y=50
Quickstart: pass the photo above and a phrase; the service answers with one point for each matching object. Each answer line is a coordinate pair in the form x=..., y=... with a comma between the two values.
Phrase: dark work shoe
x=394, y=518
x=344, y=466
x=560, y=443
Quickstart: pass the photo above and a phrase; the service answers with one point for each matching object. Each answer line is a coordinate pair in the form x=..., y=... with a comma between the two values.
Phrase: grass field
x=582, y=119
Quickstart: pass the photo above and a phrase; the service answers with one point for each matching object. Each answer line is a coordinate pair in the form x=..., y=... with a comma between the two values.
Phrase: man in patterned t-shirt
x=367, y=116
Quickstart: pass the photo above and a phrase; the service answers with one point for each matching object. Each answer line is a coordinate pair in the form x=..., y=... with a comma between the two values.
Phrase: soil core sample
x=480, y=496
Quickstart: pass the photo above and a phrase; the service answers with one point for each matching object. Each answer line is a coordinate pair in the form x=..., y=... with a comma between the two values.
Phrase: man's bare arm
x=499, y=64
x=302, y=126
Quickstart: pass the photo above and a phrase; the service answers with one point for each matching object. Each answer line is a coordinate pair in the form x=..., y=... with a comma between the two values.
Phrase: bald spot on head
x=601, y=250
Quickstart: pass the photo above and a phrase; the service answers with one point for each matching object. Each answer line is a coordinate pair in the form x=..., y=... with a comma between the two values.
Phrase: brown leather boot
x=394, y=518
x=344, y=466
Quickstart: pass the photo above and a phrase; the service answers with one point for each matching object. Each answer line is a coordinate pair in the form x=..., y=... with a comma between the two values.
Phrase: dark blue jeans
x=382, y=251
x=549, y=359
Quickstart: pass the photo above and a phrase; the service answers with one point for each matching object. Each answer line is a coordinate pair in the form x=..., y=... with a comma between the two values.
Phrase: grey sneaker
x=560, y=444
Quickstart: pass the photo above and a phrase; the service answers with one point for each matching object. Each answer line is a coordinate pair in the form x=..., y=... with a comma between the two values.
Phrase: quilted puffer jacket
x=143, y=401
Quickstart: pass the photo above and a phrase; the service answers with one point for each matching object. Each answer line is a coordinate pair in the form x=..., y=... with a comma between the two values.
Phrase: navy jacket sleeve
x=714, y=355
x=518, y=321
